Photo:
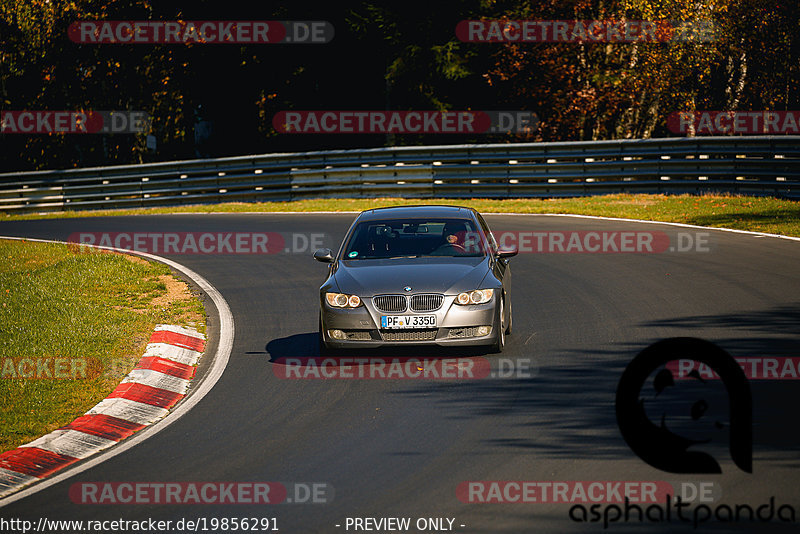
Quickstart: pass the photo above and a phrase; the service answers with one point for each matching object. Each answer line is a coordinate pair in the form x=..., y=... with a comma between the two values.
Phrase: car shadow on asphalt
x=567, y=410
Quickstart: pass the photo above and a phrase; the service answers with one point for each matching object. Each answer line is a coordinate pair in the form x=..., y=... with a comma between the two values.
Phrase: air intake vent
x=410, y=335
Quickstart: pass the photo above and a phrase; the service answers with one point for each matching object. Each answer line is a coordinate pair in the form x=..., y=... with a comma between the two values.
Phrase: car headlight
x=340, y=300
x=477, y=296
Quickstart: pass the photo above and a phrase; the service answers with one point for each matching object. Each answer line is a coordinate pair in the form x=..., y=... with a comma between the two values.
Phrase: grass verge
x=75, y=322
x=760, y=214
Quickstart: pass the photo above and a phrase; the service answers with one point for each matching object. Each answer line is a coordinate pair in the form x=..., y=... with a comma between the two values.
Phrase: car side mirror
x=507, y=252
x=325, y=255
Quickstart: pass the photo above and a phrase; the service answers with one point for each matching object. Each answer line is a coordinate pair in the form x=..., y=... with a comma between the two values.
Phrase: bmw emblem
x=407, y=288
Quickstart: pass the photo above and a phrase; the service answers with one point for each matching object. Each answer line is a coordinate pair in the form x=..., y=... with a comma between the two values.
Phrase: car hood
x=424, y=275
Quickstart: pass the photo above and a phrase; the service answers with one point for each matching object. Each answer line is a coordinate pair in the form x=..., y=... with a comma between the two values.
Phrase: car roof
x=417, y=212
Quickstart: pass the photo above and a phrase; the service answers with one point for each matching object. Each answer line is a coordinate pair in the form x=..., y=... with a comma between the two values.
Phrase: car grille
x=410, y=335
x=430, y=302
x=390, y=303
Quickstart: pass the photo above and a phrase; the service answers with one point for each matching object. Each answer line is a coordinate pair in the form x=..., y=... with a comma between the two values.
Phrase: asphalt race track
x=400, y=448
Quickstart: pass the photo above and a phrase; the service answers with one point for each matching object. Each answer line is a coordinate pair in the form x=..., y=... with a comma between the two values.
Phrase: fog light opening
x=337, y=334
x=484, y=330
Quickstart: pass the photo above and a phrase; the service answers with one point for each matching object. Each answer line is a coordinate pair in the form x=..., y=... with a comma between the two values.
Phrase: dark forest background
x=218, y=100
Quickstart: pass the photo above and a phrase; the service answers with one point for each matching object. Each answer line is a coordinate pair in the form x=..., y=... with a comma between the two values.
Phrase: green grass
x=762, y=214
x=92, y=311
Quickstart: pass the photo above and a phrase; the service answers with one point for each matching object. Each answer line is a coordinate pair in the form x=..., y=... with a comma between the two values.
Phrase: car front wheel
x=510, y=319
x=500, y=342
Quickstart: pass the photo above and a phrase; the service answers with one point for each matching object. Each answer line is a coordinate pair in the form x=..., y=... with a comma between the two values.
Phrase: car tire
x=510, y=320
x=500, y=342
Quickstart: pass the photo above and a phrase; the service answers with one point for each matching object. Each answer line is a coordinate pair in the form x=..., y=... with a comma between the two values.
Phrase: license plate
x=408, y=321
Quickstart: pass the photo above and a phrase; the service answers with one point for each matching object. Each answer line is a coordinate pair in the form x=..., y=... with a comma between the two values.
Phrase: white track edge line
x=217, y=367
x=682, y=225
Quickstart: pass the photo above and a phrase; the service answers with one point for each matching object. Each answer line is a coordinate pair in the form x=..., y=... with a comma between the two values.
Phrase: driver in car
x=453, y=234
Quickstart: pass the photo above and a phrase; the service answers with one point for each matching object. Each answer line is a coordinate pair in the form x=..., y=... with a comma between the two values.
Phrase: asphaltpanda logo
x=645, y=382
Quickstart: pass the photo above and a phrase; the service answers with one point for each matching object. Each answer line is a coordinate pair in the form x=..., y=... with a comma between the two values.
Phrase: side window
x=489, y=235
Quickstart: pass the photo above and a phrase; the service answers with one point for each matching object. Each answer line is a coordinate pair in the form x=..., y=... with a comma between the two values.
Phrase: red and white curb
x=158, y=382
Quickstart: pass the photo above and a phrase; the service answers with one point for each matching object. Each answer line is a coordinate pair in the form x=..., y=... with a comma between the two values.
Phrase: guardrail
x=768, y=165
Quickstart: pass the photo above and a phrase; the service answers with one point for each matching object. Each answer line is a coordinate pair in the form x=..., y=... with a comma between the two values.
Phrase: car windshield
x=414, y=238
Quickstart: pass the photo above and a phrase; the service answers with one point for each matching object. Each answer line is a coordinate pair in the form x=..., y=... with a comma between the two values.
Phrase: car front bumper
x=456, y=325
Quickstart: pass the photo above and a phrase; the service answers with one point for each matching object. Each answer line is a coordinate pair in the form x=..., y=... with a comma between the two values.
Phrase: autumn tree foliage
x=626, y=90
x=385, y=55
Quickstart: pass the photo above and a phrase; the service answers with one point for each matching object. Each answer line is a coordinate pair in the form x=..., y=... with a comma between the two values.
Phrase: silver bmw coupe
x=416, y=275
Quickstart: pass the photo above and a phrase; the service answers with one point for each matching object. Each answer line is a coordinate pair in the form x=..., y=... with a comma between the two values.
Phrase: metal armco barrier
x=768, y=165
